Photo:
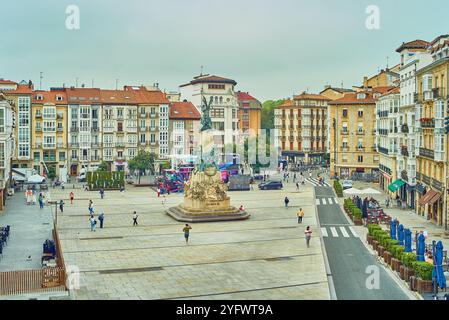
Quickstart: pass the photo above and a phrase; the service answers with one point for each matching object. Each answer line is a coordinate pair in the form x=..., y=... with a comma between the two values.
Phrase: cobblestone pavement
x=264, y=257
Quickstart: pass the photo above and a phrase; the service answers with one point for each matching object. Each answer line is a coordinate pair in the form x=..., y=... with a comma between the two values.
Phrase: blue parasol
x=437, y=271
x=401, y=234
x=408, y=240
x=393, y=225
x=420, y=248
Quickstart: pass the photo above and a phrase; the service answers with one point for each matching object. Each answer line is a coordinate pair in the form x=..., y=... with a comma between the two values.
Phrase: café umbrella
x=401, y=235
x=393, y=229
x=437, y=271
x=420, y=248
x=408, y=240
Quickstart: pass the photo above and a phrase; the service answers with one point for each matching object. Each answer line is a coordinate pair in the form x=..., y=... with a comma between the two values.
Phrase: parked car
x=346, y=184
x=258, y=177
x=271, y=185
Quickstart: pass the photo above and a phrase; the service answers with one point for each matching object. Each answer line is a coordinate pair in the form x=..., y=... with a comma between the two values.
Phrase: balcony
x=73, y=145
x=38, y=129
x=155, y=143
x=383, y=150
x=439, y=156
x=404, y=151
x=153, y=129
x=59, y=116
x=120, y=145
x=95, y=158
x=437, y=184
x=344, y=149
x=428, y=123
x=360, y=132
x=95, y=129
x=38, y=115
x=153, y=115
x=96, y=145
x=426, y=153
x=60, y=129
x=60, y=145
x=49, y=145
x=344, y=133
x=361, y=149
x=405, y=129
x=74, y=129
x=428, y=96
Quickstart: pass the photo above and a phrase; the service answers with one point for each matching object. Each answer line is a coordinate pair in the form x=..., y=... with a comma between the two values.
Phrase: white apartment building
x=387, y=109
x=224, y=111
x=414, y=56
x=84, y=128
x=6, y=146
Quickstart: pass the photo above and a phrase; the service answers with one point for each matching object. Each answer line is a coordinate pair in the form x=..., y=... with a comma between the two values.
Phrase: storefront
x=410, y=196
x=384, y=181
x=431, y=206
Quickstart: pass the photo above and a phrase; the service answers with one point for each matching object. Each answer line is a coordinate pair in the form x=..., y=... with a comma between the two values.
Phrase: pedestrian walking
x=286, y=201
x=41, y=201
x=308, y=234
x=297, y=186
x=101, y=193
x=61, y=205
x=294, y=177
x=158, y=192
x=91, y=207
x=72, y=196
x=101, y=219
x=93, y=223
x=163, y=200
x=135, y=216
x=300, y=215
x=186, y=230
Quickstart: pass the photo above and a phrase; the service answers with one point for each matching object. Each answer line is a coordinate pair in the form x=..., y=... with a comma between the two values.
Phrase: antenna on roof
x=76, y=82
x=201, y=73
x=116, y=84
x=40, y=80
x=342, y=84
x=387, y=62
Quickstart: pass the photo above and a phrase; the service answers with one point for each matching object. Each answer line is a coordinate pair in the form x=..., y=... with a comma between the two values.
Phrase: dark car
x=258, y=177
x=271, y=185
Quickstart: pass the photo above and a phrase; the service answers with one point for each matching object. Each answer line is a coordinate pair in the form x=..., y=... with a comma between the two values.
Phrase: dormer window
x=361, y=96
x=376, y=95
x=39, y=97
x=59, y=98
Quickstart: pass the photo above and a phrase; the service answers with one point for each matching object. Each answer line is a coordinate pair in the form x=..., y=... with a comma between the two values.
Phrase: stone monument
x=205, y=194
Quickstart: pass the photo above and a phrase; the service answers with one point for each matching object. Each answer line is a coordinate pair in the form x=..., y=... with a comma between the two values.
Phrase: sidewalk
x=30, y=227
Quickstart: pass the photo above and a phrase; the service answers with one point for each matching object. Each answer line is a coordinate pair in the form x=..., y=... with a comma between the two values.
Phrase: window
x=217, y=113
x=361, y=96
x=37, y=156
x=360, y=158
x=61, y=156
x=345, y=128
x=2, y=120
x=360, y=128
x=217, y=86
x=360, y=113
x=49, y=112
x=345, y=113
x=120, y=126
x=142, y=138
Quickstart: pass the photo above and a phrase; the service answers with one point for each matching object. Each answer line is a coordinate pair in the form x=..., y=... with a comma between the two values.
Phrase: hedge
x=397, y=251
x=106, y=180
x=422, y=269
x=408, y=258
x=372, y=228
x=338, y=188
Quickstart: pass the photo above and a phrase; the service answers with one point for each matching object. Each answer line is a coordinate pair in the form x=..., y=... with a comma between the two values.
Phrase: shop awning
x=396, y=185
x=430, y=198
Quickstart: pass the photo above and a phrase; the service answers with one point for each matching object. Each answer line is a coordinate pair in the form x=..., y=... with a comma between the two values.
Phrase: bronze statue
x=206, y=122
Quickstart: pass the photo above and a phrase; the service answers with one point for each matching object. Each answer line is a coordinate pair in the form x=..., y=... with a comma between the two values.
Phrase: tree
x=103, y=166
x=143, y=161
x=268, y=107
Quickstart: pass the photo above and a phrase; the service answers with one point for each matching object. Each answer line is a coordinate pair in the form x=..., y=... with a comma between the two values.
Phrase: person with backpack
x=286, y=201
x=300, y=215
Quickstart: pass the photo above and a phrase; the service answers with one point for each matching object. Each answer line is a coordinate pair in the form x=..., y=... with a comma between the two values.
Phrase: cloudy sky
x=271, y=48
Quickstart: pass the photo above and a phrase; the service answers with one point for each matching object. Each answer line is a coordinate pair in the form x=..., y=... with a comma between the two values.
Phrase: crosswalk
x=335, y=232
x=316, y=183
x=326, y=201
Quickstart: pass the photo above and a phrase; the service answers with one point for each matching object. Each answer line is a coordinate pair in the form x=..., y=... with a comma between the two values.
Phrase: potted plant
x=388, y=253
x=397, y=252
x=357, y=216
x=423, y=271
x=407, y=259
x=370, y=234
x=338, y=189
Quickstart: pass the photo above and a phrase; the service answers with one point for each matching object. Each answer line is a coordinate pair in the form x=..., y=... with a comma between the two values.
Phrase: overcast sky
x=271, y=48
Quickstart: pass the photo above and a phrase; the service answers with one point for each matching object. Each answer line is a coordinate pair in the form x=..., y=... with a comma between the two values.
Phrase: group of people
x=31, y=198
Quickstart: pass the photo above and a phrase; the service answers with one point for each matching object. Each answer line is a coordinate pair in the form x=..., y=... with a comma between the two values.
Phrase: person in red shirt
x=308, y=234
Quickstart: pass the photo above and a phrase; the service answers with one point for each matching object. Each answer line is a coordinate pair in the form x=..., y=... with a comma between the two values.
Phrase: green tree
x=103, y=166
x=267, y=121
x=51, y=174
x=143, y=161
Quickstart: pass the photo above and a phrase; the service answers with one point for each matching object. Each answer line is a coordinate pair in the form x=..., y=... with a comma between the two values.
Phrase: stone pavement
x=264, y=257
x=30, y=227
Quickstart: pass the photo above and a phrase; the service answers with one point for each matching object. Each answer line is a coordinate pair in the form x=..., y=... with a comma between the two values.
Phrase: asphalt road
x=348, y=257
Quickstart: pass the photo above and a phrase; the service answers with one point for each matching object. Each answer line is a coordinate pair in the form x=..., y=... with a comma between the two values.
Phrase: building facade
x=7, y=145
x=224, y=111
x=301, y=128
x=352, y=134
x=49, y=134
x=250, y=114
x=432, y=155
x=184, y=132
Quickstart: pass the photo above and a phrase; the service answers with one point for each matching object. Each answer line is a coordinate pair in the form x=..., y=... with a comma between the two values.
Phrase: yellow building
x=352, y=134
x=301, y=128
x=249, y=114
x=385, y=78
x=333, y=93
x=49, y=131
x=432, y=82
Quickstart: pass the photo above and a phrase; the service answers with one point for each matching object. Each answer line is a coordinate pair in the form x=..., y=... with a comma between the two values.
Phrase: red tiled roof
x=3, y=81
x=49, y=97
x=184, y=111
x=415, y=44
x=144, y=96
x=351, y=98
x=210, y=79
x=309, y=96
x=245, y=96
x=21, y=89
x=87, y=95
x=393, y=90
x=287, y=104
x=383, y=90
x=117, y=97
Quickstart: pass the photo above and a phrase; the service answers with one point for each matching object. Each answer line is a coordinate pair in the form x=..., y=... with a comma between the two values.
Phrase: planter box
x=387, y=257
x=408, y=273
x=375, y=244
x=402, y=273
x=424, y=286
x=369, y=239
x=396, y=264
x=380, y=251
x=358, y=221
x=413, y=283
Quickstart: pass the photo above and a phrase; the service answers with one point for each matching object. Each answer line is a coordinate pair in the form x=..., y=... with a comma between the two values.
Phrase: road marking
x=324, y=232
x=336, y=200
x=317, y=202
x=353, y=232
x=334, y=232
x=344, y=232
x=324, y=201
x=330, y=200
